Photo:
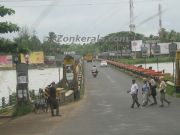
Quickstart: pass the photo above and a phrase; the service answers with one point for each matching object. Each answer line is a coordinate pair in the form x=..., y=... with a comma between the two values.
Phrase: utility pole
x=160, y=16
x=132, y=25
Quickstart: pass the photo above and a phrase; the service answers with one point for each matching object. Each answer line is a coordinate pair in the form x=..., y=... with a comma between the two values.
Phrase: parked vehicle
x=103, y=63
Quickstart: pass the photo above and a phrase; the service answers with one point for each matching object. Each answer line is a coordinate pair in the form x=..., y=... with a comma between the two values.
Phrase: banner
x=33, y=58
x=6, y=61
x=136, y=45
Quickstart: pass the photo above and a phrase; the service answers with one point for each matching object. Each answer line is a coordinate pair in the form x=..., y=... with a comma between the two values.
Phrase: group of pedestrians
x=149, y=90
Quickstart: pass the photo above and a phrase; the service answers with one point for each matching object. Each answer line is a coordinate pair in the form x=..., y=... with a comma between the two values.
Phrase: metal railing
x=6, y=102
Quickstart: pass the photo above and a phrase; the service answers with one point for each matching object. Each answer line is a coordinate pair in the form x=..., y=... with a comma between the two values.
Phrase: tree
x=163, y=35
x=6, y=27
x=172, y=36
x=52, y=37
x=50, y=45
x=7, y=46
x=23, y=41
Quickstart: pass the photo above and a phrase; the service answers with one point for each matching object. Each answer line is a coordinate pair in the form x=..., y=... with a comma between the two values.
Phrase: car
x=103, y=63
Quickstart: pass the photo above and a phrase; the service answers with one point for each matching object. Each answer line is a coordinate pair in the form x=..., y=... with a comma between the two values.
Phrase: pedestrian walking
x=153, y=87
x=162, y=90
x=53, y=100
x=145, y=93
x=134, y=93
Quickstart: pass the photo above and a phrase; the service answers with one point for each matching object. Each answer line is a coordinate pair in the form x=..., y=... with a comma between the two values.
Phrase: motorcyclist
x=94, y=69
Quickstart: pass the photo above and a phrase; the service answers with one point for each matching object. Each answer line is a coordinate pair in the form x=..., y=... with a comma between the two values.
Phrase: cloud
x=95, y=17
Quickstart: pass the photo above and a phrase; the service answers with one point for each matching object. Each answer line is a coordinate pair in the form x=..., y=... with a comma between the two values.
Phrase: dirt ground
x=37, y=124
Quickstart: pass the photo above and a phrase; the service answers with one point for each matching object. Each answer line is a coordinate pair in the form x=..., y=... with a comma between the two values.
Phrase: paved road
x=106, y=110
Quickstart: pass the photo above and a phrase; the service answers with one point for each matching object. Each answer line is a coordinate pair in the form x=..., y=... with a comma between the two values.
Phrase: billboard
x=6, y=61
x=34, y=58
x=136, y=45
x=164, y=48
x=50, y=60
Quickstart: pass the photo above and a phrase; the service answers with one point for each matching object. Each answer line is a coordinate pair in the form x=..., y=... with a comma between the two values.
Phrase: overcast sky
x=91, y=17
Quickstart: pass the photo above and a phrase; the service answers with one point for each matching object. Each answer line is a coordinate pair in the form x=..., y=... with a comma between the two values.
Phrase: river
x=37, y=79
x=167, y=67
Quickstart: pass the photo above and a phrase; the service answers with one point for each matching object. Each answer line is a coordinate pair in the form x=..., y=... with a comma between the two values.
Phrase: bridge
x=104, y=110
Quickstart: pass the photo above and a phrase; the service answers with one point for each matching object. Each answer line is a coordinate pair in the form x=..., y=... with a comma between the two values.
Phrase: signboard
x=144, y=51
x=156, y=50
x=68, y=60
x=69, y=72
x=22, y=79
x=6, y=61
x=172, y=49
x=111, y=54
x=50, y=59
x=70, y=53
x=34, y=58
x=136, y=45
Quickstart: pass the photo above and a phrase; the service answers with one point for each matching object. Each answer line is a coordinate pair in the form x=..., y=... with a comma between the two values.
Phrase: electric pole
x=132, y=25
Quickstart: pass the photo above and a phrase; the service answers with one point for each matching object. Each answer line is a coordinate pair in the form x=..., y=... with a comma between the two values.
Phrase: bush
x=168, y=77
x=178, y=95
x=170, y=90
x=22, y=109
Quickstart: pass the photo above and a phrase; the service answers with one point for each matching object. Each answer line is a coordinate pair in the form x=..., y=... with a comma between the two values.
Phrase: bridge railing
x=6, y=102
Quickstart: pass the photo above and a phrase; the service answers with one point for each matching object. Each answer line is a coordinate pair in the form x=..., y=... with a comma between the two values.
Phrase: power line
x=67, y=5
x=72, y=4
x=119, y=1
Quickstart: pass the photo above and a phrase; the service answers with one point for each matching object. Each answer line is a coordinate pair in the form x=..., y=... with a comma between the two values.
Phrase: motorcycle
x=94, y=73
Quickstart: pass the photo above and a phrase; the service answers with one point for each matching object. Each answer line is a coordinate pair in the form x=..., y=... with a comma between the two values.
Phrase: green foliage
x=27, y=42
x=168, y=77
x=116, y=41
x=6, y=11
x=22, y=109
x=142, y=60
x=7, y=46
x=6, y=27
x=170, y=90
x=166, y=36
x=178, y=95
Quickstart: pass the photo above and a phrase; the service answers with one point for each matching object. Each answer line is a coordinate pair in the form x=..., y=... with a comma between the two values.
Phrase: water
x=167, y=67
x=37, y=79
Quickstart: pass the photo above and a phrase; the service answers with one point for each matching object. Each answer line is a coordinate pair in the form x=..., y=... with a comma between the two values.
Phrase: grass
x=142, y=60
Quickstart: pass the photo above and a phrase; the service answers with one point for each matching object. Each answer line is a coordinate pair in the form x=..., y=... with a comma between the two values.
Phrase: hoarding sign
x=136, y=45
x=6, y=61
x=34, y=58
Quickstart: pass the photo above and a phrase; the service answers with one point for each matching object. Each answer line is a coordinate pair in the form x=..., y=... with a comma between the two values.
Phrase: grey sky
x=91, y=17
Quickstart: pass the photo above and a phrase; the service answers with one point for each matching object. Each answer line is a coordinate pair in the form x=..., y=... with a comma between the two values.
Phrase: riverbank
x=132, y=61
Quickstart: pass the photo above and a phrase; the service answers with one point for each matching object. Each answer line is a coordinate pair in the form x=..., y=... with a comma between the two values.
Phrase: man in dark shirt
x=53, y=101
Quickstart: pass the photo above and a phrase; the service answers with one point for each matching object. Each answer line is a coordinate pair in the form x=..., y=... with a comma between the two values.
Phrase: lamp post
x=145, y=61
x=157, y=63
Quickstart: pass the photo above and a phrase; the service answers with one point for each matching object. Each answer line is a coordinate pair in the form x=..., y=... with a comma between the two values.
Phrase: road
x=105, y=110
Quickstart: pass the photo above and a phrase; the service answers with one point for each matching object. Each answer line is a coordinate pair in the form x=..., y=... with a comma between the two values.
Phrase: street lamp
x=157, y=63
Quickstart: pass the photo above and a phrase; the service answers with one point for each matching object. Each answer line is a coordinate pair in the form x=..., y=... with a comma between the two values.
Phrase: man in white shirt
x=134, y=92
x=162, y=90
